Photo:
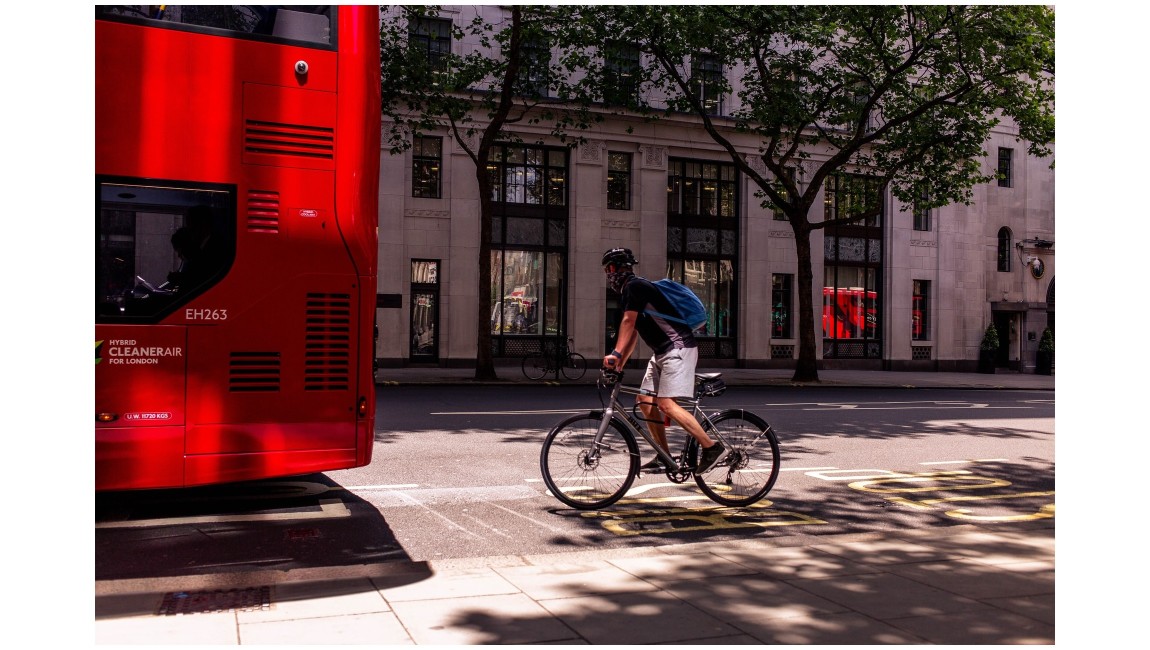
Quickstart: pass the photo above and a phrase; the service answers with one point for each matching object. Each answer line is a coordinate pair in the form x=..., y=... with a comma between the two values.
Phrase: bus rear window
x=158, y=245
x=310, y=24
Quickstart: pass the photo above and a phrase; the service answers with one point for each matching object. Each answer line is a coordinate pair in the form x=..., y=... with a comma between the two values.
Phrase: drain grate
x=252, y=599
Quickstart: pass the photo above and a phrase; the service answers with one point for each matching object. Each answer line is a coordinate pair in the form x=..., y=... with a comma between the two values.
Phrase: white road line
x=486, y=525
x=972, y=406
x=963, y=462
x=534, y=412
x=530, y=519
x=400, y=486
x=449, y=522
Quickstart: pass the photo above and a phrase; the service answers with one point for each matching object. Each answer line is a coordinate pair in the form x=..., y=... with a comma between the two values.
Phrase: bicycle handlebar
x=609, y=377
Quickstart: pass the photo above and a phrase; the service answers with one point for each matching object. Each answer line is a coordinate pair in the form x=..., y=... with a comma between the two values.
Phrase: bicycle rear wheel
x=534, y=366
x=584, y=476
x=750, y=470
x=574, y=366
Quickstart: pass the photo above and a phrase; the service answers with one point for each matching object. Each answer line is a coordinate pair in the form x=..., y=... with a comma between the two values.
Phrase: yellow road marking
x=940, y=480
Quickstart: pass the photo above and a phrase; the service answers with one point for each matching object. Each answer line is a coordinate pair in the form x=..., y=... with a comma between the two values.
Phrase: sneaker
x=711, y=457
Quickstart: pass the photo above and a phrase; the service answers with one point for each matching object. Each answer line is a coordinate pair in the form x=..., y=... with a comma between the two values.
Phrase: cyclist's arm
x=624, y=342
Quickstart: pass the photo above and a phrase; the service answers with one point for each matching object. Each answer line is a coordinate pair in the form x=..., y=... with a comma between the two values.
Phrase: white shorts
x=672, y=374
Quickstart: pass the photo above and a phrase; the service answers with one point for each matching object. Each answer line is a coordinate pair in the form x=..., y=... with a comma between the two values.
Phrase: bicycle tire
x=534, y=366
x=750, y=470
x=575, y=479
x=574, y=366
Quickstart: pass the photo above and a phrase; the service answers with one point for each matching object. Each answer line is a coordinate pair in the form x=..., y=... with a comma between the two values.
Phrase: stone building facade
x=910, y=291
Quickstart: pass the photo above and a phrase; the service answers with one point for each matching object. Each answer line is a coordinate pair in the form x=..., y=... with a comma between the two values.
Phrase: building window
x=702, y=244
x=852, y=280
x=781, y=305
x=431, y=37
x=621, y=74
x=426, y=159
x=535, y=76
x=1004, y=241
x=424, y=310
x=701, y=188
x=920, y=311
x=706, y=81
x=921, y=214
x=527, y=174
x=528, y=246
x=1005, y=167
x=846, y=195
x=618, y=181
x=779, y=215
x=526, y=292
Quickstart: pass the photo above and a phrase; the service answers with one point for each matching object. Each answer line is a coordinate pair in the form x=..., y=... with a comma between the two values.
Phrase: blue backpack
x=690, y=310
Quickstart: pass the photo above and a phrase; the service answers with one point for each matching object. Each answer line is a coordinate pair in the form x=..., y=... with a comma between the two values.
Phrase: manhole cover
x=220, y=600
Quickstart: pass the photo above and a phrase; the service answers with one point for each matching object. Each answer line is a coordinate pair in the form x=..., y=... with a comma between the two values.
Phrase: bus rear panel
x=237, y=165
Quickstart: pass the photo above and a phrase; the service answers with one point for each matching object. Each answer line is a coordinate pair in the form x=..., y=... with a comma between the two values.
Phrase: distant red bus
x=849, y=313
x=237, y=170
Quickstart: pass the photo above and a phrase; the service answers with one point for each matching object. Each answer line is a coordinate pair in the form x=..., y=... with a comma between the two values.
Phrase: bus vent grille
x=327, y=353
x=277, y=138
x=263, y=211
x=254, y=372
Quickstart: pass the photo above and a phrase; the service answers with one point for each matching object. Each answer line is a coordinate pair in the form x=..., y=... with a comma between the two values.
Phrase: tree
x=907, y=95
x=504, y=76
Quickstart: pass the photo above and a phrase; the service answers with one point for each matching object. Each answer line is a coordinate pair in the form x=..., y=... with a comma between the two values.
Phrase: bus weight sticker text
x=148, y=416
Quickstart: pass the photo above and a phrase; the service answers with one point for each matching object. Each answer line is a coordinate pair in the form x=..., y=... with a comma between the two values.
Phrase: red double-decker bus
x=237, y=167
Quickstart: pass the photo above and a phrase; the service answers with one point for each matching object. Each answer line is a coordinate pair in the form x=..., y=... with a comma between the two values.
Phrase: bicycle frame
x=555, y=360
x=693, y=405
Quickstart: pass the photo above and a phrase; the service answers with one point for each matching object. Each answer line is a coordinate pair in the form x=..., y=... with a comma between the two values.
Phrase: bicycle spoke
x=581, y=474
x=750, y=469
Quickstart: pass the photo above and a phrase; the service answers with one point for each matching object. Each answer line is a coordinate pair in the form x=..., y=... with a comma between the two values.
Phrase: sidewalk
x=513, y=375
x=955, y=585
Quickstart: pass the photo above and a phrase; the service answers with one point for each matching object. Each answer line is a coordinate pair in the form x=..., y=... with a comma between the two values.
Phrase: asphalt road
x=455, y=474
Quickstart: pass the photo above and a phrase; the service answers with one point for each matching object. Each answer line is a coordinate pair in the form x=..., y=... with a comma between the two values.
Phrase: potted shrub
x=1045, y=358
x=988, y=350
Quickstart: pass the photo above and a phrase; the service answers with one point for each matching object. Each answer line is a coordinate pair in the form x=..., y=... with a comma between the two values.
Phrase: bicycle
x=556, y=359
x=590, y=460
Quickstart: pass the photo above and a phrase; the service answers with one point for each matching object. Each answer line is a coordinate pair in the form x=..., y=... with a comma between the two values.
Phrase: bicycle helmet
x=619, y=257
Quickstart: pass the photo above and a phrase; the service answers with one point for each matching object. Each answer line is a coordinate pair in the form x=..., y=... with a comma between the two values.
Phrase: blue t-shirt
x=661, y=335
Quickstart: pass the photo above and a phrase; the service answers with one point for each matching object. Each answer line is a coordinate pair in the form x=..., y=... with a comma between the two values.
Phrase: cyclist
x=671, y=369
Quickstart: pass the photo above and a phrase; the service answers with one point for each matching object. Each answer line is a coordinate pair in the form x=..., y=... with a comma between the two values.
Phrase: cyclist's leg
x=677, y=379
x=654, y=419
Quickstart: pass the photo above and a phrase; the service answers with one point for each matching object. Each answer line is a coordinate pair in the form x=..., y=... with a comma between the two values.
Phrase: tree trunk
x=484, y=361
x=806, y=369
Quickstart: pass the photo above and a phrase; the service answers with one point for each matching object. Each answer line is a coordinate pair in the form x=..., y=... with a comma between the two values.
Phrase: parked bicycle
x=555, y=358
x=590, y=460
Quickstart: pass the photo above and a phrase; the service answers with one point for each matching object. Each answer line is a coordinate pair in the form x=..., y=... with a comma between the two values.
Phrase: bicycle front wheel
x=574, y=366
x=534, y=366
x=584, y=475
x=750, y=470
